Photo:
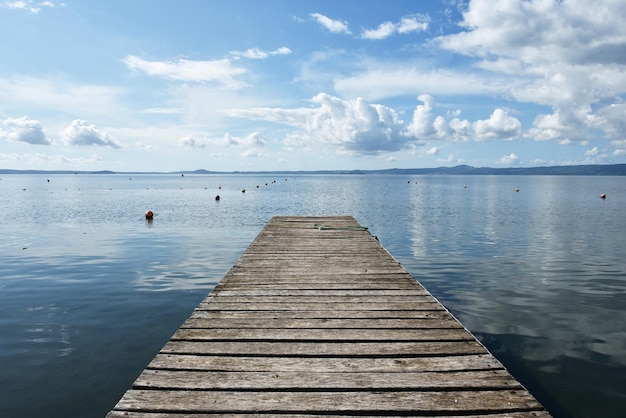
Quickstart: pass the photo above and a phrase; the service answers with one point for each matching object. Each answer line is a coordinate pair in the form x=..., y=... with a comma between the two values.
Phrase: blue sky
x=311, y=85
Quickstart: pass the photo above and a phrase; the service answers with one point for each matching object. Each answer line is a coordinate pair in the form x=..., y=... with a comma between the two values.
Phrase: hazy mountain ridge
x=568, y=170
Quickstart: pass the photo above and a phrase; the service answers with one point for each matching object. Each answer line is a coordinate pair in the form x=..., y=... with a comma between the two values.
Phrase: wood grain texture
x=318, y=319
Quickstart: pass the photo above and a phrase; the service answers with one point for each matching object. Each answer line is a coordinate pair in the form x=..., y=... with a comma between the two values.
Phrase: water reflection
x=91, y=291
x=553, y=281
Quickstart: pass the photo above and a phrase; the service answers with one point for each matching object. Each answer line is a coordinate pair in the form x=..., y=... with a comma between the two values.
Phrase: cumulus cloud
x=422, y=124
x=568, y=55
x=334, y=26
x=221, y=71
x=80, y=133
x=255, y=53
x=425, y=125
x=356, y=126
x=511, y=159
x=24, y=129
x=499, y=126
x=408, y=24
x=353, y=125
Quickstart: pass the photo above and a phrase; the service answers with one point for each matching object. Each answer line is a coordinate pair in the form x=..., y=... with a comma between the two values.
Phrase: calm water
x=89, y=291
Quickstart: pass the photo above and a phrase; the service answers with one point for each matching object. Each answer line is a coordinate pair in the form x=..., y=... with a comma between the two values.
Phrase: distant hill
x=565, y=170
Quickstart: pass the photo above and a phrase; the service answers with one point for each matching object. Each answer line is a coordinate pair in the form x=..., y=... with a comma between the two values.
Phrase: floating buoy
x=243, y=191
x=149, y=215
x=217, y=197
x=517, y=190
x=465, y=186
x=602, y=196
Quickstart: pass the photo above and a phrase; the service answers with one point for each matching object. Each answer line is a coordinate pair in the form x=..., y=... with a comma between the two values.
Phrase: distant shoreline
x=569, y=170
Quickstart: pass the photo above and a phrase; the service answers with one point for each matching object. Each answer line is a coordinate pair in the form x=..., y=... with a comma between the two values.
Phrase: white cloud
x=334, y=26
x=511, y=159
x=425, y=126
x=499, y=126
x=221, y=71
x=24, y=129
x=254, y=139
x=612, y=120
x=422, y=124
x=384, y=30
x=357, y=126
x=568, y=55
x=190, y=142
x=28, y=5
x=619, y=147
x=79, y=133
x=408, y=24
x=255, y=53
x=557, y=127
x=415, y=23
x=252, y=143
x=592, y=152
x=433, y=151
x=353, y=125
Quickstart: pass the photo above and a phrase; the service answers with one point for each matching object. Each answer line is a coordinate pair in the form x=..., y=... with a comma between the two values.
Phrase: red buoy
x=149, y=215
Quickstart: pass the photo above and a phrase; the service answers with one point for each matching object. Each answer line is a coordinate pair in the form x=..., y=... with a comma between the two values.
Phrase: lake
x=90, y=290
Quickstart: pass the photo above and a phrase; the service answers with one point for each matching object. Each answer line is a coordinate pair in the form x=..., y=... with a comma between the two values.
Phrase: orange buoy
x=149, y=215
x=602, y=196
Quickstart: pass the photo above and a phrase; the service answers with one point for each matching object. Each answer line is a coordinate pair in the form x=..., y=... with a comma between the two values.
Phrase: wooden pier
x=317, y=318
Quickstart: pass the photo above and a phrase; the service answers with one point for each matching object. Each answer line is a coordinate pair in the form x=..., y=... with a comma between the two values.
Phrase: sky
x=247, y=85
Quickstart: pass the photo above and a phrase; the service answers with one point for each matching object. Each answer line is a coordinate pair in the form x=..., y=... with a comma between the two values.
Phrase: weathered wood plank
x=317, y=319
x=329, y=381
x=359, y=299
x=227, y=315
x=303, y=323
x=259, y=292
x=127, y=414
x=403, y=402
x=325, y=349
x=275, y=334
x=323, y=306
x=472, y=362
